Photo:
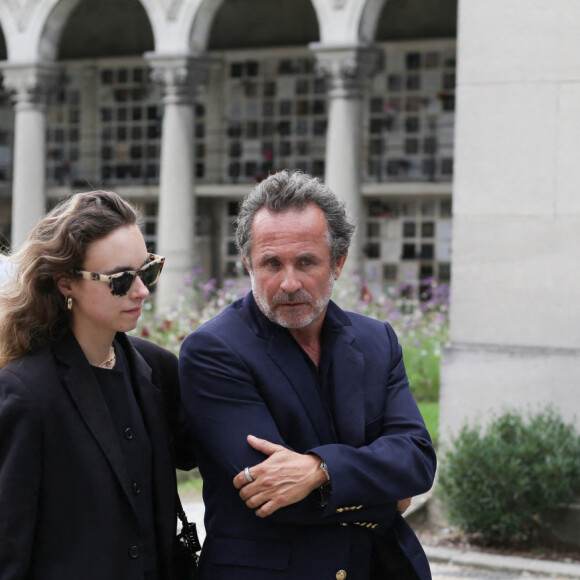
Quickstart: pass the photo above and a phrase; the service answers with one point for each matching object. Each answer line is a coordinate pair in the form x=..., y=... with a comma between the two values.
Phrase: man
x=306, y=432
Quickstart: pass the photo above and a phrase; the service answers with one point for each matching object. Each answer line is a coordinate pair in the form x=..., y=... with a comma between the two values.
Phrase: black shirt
x=119, y=395
x=322, y=374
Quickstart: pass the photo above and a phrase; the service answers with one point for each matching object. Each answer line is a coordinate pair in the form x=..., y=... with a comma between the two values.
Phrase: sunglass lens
x=150, y=274
x=122, y=284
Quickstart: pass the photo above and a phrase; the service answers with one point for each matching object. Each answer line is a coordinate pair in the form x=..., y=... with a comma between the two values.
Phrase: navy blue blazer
x=241, y=374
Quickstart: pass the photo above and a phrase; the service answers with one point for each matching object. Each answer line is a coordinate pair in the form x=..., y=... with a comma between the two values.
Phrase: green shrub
x=501, y=484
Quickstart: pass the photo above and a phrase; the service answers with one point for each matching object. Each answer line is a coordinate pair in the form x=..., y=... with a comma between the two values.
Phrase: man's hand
x=284, y=478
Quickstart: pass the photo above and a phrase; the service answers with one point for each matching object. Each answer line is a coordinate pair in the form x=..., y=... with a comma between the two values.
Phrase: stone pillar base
x=479, y=381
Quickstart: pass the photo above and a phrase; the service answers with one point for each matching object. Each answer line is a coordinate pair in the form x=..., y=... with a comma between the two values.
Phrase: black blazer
x=66, y=502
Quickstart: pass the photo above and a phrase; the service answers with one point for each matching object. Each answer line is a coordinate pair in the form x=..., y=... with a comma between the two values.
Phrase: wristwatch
x=326, y=488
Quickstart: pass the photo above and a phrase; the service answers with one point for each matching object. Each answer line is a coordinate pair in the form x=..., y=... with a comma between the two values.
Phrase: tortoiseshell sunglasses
x=121, y=282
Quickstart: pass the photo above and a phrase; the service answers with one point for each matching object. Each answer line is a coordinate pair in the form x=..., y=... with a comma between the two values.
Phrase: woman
x=90, y=418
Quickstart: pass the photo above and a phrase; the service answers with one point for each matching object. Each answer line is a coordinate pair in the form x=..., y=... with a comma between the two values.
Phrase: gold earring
x=69, y=303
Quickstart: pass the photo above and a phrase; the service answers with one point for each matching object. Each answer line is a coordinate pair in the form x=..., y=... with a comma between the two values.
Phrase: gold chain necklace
x=110, y=362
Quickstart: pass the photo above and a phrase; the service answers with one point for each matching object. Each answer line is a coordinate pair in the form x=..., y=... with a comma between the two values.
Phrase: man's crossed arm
x=283, y=478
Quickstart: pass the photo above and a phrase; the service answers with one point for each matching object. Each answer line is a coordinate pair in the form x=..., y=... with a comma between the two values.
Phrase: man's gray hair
x=294, y=190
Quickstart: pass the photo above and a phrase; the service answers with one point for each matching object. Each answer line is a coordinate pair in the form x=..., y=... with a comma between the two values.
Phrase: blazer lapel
x=152, y=405
x=82, y=385
x=347, y=400
x=348, y=392
x=290, y=360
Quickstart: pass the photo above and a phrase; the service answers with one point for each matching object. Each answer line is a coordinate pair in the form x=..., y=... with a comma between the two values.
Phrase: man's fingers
x=259, y=500
x=241, y=478
x=263, y=505
x=267, y=509
x=264, y=446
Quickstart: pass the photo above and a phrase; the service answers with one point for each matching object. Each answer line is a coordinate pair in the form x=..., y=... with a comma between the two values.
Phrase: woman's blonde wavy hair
x=32, y=309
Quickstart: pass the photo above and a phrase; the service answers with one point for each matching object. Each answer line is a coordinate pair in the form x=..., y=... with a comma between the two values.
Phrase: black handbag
x=185, y=549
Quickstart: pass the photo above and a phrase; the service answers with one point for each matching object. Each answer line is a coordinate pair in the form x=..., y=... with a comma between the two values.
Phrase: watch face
x=326, y=488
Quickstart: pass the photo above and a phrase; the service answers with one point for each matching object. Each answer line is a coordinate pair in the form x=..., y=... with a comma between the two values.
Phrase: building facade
x=181, y=106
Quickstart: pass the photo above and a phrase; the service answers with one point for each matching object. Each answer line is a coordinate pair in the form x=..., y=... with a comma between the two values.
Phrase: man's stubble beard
x=291, y=321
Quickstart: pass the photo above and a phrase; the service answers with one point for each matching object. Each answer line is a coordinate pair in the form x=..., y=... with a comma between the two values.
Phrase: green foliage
x=420, y=321
x=189, y=484
x=430, y=412
x=502, y=483
x=422, y=362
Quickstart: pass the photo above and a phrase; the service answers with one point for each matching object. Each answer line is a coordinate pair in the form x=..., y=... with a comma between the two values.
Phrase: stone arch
x=8, y=26
x=3, y=47
x=56, y=20
x=53, y=23
x=202, y=23
x=412, y=19
x=369, y=19
x=222, y=24
x=106, y=28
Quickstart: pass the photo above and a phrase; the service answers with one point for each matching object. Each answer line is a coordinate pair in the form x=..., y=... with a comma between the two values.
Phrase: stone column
x=179, y=75
x=515, y=314
x=346, y=69
x=30, y=84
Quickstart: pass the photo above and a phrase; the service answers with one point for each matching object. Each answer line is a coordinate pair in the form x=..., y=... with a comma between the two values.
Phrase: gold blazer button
x=341, y=575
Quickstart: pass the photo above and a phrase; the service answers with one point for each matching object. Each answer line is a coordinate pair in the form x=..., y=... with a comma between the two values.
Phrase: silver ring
x=248, y=475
